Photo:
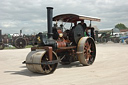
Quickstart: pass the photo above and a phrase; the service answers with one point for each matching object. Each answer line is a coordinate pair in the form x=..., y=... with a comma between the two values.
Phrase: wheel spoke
x=47, y=71
x=91, y=51
x=87, y=50
x=88, y=56
x=89, y=46
x=49, y=67
x=43, y=67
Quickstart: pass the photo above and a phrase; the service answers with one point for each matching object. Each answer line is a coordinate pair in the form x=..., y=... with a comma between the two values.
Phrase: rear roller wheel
x=38, y=57
x=87, y=49
x=20, y=43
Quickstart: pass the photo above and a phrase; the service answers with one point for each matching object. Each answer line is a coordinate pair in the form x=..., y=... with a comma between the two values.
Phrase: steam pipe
x=49, y=21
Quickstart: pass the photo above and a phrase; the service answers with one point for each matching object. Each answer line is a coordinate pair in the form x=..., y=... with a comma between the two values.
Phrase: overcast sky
x=30, y=15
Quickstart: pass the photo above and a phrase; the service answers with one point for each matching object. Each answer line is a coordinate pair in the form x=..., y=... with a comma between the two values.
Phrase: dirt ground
x=109, y=68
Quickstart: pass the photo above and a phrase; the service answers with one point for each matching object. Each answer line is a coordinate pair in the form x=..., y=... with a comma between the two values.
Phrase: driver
x=84, y=28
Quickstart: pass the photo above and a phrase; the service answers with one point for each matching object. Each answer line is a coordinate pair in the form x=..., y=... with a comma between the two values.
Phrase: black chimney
x=112, y=32
x=0, y=33
x=49, y=21
x=20, y=32
x=0, y=36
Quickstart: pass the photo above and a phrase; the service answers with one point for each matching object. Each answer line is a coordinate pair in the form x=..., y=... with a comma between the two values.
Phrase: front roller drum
x=35, y=60
x=86, y=51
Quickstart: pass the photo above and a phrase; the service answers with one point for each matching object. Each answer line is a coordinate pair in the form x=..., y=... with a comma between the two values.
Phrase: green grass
x=28, y=46
x=9, y=48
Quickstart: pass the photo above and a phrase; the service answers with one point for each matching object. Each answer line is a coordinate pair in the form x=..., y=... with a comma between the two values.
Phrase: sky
x=30, y=15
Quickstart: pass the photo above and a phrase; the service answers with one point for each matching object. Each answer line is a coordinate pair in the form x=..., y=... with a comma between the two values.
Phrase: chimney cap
x=49, y=7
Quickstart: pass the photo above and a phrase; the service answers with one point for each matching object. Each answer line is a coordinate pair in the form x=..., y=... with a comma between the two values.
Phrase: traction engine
x=18, y=42
x=61, y=46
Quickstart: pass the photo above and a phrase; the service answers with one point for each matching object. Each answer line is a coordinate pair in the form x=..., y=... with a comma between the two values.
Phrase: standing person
x=84, y=28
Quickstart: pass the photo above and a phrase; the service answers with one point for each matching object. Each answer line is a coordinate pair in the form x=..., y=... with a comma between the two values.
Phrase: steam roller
x=62, y=45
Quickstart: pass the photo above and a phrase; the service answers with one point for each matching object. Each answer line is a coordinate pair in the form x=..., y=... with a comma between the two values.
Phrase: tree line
x=121, y=26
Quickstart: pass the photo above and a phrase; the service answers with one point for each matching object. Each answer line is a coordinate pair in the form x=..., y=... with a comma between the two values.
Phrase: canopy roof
x=73, y=18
